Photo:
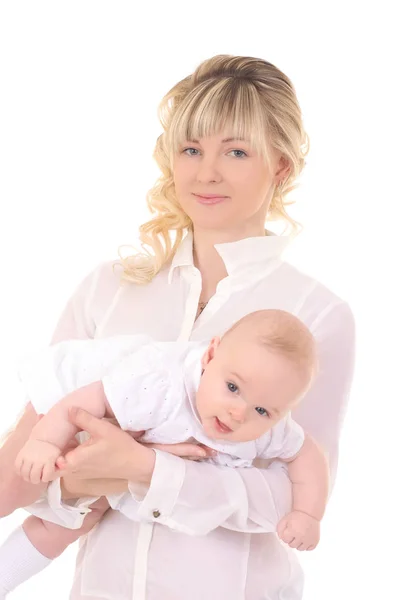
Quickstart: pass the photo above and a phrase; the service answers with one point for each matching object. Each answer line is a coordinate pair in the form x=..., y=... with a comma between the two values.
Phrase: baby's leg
x=32, y=547
x=51, y=540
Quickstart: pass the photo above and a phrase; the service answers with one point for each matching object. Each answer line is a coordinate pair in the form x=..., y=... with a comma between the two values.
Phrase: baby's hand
x=36, y=461
x=299, y=530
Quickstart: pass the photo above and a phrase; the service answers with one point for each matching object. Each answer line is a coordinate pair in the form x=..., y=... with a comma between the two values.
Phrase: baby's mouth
x=222, y=427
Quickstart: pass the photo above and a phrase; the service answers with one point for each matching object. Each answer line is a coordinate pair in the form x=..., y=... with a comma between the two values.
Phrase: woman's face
x=221, y=183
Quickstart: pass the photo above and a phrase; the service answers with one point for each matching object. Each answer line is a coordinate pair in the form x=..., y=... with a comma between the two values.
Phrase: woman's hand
x=111, y=453
x=190, y=451
x=108, y=453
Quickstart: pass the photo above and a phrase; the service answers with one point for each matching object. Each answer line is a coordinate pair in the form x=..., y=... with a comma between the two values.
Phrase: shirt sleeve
x=138, y=388
x=287, y=437
x=83, y=311
x=51, y=507
x=195, y=497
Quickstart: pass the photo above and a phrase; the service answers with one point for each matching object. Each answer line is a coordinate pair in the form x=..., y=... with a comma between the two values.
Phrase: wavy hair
x=258, y=102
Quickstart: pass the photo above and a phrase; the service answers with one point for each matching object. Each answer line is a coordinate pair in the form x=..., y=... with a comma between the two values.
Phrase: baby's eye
x=232, y=387
x=262, y=411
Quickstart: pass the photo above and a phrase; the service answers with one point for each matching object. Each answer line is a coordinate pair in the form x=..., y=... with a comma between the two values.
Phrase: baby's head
x=254, y=375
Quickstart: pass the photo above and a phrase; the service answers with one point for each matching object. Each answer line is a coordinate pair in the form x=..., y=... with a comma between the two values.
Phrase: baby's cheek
x=202, y=401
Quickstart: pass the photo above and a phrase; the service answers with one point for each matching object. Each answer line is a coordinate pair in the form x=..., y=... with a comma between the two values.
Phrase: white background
x=80, y=84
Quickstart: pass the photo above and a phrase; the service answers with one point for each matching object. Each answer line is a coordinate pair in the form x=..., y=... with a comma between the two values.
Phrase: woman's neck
x=207, y=259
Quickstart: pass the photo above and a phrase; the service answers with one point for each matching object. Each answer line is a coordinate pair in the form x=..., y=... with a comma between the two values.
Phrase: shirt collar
x=236, y=255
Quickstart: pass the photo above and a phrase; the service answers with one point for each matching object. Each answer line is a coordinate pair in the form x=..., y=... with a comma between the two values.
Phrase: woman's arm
x=195, y=498
x=73, y=487
x=199, y=497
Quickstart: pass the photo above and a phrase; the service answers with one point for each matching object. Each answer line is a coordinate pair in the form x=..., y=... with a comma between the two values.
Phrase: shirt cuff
x=157, y=502
x=52, y=508
x=297, y=442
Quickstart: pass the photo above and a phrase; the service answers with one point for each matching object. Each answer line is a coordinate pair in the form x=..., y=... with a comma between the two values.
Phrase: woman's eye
x=262, y=411
x=190, y=151
x=239, y=153
x=232, y=387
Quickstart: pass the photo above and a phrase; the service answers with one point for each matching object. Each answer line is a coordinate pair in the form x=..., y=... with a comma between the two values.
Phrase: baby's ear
x=210, y=352
x=205, y=359
x=215, y=342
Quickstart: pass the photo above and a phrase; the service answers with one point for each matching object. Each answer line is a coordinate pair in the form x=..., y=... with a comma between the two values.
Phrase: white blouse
x=203, y=527
x=150, y=386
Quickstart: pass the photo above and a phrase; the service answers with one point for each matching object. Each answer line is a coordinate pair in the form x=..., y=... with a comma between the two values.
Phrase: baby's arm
x=36, y=460
x=309, y=474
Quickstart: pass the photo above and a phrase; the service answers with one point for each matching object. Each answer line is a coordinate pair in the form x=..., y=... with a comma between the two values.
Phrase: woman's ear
x=210, y=352
x=283, y=170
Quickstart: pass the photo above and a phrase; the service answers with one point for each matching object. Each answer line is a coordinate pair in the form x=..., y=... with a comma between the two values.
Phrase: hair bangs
x=231, y=105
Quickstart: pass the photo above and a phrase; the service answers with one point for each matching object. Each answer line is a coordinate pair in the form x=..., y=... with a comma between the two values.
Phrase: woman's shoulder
x=107, y=275
x=315, y=299
x=102, y=279
x=311, y=285
x=99, y=287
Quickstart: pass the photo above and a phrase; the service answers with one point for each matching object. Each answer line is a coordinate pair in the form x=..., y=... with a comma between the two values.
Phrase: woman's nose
x=208, y=171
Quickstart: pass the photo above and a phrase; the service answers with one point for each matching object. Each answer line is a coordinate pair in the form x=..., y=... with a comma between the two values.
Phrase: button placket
x=194, y=280
x=222, y=295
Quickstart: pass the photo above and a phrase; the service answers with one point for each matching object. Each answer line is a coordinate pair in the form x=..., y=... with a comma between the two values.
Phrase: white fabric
x=223, y=508
x=19, y=561
x=149, y=386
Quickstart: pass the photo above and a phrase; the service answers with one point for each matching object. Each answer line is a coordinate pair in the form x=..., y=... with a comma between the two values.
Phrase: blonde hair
x=259, y=103
x=280, y=331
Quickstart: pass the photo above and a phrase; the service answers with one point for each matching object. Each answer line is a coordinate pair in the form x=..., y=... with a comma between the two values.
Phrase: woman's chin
x=213, y=222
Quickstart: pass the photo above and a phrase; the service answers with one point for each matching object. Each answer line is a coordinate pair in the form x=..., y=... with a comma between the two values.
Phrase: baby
x=232, y=394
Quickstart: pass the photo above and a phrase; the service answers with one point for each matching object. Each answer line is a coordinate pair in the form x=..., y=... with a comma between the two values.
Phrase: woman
x=233, y=146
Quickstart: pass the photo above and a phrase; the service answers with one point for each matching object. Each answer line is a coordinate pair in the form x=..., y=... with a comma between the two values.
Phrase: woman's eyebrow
x=224, y=141
x=234, y=139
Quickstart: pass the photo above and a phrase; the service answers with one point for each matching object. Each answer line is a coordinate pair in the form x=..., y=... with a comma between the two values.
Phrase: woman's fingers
x=185, y=450
x=135, y=434
x=209, y=451
x=87, y=422
x=96, y=427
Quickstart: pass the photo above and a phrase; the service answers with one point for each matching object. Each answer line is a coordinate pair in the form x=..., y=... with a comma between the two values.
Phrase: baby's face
x=245, y=389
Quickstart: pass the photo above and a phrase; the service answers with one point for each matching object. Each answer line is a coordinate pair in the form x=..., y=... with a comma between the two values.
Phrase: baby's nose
x=238, y=412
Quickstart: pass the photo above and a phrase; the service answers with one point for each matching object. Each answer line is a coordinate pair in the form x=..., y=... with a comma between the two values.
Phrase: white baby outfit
x=150, y=386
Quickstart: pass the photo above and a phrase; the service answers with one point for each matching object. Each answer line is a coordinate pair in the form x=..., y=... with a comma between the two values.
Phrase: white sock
x=19, y=561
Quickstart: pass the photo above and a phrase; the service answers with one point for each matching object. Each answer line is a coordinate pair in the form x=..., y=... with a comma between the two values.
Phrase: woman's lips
x=222, y=427
x=210, y=198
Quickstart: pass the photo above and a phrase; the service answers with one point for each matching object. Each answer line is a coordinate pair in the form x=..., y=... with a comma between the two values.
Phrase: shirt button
x=156, y=514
